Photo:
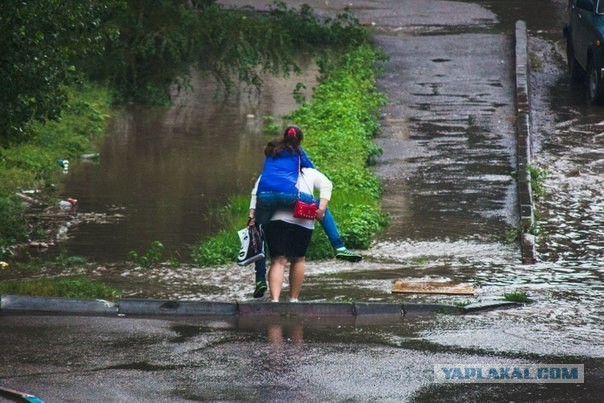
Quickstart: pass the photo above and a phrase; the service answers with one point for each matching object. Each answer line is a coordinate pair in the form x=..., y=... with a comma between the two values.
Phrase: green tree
x=142, y=47
x=39, y=42
x=159, y=41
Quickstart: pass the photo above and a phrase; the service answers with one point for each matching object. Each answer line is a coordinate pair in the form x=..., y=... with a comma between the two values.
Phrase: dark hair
x=292, y=137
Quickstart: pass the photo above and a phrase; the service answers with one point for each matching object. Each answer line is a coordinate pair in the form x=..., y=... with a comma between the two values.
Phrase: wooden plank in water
x=431, y=287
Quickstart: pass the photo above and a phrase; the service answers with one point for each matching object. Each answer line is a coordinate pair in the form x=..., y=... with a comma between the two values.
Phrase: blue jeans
x=268, y=202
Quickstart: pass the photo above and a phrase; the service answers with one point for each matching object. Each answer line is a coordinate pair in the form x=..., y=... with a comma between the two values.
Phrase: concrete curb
x=21, y=303
x=296, y=309
x=523, y=146
x=154, y=307
x=171, y=307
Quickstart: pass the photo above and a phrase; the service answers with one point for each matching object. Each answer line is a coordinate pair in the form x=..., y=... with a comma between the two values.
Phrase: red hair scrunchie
x=291, y=131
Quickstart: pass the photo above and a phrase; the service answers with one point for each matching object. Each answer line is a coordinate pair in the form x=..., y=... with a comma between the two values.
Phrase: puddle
x=448, y=140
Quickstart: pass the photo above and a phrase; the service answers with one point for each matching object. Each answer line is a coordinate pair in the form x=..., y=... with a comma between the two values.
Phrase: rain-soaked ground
x=448, y=140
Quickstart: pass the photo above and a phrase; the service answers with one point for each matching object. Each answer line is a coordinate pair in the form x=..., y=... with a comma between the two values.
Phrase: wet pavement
x=75, y=359
x=448, y=139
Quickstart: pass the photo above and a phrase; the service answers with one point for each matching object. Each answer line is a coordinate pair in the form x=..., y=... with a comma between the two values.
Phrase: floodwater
x=161, y=172
x=448, y=140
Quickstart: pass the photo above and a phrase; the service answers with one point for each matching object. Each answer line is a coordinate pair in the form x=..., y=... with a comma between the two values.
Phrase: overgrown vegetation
x=144, y=49
x=339, y=126
x=156, y=43
x=152, y=256
x=516, y=296
x=538, y=176
x=14, y=225
x=32, y=165
x=42, y=41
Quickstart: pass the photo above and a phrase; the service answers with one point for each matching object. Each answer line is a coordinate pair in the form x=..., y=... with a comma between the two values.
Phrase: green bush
x=516, y=296
x=538, y=177
x=41, y=43
x=339, y=126
x=219, y=249
x=223, y=247
x=149, y=258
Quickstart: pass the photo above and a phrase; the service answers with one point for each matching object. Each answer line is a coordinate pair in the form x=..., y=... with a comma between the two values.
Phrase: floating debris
x=38, y=244
x=64, y=164
x=68, y=204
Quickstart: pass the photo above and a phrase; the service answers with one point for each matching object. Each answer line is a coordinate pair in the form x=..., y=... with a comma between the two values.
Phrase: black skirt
x=286, y=239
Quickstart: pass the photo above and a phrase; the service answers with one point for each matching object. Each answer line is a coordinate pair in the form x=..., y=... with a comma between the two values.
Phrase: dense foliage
x=141, y=48
x=339, y=126
x=40, y=42
x=14, y=226
x=158, y=42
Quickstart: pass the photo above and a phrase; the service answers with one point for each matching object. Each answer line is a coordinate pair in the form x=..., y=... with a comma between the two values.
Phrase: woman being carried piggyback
x=278, y=188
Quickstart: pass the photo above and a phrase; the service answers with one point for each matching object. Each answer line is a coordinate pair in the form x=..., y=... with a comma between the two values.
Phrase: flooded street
x=453, y=193
x=161, y=172
x=449, y=156
x=448, y=134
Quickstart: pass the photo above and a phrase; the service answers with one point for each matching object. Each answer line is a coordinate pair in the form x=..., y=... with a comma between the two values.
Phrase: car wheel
x=574, y=68
x=595, y=86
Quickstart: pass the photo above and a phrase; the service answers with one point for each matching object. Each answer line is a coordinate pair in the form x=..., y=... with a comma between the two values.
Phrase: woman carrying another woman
x=280, y=184
x=288, y=237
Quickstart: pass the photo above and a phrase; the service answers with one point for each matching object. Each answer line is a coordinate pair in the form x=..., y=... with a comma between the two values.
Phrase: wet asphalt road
x=99, y=359
x=451, y=106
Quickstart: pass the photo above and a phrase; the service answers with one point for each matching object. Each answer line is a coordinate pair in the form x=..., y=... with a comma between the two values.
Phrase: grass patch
x=339, y=126
x=61, y=287
x=538, y=176
x=151, y=257
x=462, y=304
x=33, y=165
x=513, y=234
x=516, y=296
x=535, y=62
x=223, y=247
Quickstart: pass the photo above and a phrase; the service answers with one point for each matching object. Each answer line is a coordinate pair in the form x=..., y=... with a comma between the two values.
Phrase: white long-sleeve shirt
x=308, y=181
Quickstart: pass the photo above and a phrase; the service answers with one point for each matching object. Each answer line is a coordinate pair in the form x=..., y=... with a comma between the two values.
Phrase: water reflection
x=286, y=342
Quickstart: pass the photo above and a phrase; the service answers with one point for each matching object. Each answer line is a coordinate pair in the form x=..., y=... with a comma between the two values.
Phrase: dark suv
x=585, y=45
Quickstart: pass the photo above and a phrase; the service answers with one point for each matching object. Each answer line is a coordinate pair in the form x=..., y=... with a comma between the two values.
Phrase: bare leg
x=275, y=276
x=296, y=276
